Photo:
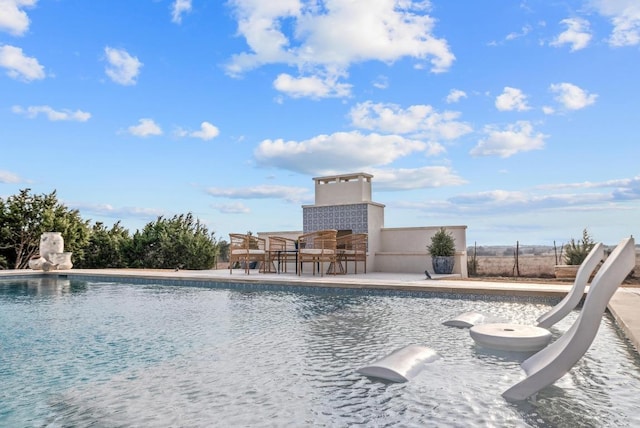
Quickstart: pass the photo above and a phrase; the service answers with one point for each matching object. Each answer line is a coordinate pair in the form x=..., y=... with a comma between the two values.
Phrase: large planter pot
x=566, y=271
x=63, y=260
x=51, y=242
x=35, y=263
x=443, y=265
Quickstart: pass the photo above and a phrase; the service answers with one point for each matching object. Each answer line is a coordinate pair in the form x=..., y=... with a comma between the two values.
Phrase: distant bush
x=107, y=248
x=179, y=242
x=576, y=251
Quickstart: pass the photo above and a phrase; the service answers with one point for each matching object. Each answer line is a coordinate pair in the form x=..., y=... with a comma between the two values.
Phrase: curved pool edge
x=624, y=307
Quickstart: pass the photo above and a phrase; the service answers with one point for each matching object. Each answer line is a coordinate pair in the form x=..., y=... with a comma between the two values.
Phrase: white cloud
x=52, y=115
x=145, y=128
x=455, y=95
x=207, y=131
x=381, y=82
x=233, y=208
x=577, y=34
x=415, y=178
x=414, y=119
x=571, y=96
x=523, y=32
x=287, y=193
x=548, y=110
x=499, y=196
x=179, y=8
x=516, y=138
x=603, y=197
x=9, y=177
x=625, y=17
x=622, y=189
x=522, y=201
x=122, y=68
x=18, y=65
x=306, y=35
x=511, y=99
x=13, y=18
x=108, y=210
x=311, y=86
x=338, y=152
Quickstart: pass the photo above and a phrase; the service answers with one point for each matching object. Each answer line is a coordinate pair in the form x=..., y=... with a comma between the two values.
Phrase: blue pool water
x=103, y=354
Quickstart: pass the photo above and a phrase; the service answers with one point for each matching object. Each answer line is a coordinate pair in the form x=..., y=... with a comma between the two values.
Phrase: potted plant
x=574, y=254
x=442, y=250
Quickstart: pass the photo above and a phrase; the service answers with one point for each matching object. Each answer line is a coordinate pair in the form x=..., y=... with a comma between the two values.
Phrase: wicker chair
x=246, y=249
x=352, y=248
x=281, y=251
x=318, y=247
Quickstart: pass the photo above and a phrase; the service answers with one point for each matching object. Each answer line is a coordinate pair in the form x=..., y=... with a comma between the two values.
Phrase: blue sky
x=518, y=119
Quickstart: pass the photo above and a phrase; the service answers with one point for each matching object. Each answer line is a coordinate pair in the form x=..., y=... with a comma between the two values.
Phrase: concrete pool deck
x=624, y=306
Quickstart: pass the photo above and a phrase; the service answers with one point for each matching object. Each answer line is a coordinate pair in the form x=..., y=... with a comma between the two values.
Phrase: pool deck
x=624, y=306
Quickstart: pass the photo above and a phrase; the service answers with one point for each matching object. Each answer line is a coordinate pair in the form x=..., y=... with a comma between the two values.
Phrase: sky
x=518, y=119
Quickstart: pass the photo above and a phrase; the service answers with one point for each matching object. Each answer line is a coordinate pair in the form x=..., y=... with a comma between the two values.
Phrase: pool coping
x=624, y=305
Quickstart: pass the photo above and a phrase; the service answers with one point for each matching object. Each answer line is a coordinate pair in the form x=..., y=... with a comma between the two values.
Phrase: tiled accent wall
x=340, y=217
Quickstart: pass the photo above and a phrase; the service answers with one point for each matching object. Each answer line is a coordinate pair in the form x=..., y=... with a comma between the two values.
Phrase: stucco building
x=344, y=202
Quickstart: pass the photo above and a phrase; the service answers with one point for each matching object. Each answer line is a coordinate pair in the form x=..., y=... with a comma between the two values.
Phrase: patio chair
x=352, y=248
x=318, y=247
x=554, y=361
x=245, y=249
x=281, y=251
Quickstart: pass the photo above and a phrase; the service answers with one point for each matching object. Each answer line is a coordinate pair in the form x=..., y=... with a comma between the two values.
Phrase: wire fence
x=526, y=261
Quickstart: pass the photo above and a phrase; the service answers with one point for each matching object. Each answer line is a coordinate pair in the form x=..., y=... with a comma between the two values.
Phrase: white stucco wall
x=343, y=189
x=375, y=221
x=291, y=234
x=404, y=249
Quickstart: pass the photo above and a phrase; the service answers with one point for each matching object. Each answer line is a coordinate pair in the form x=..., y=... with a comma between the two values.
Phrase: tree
x=25, y=217
x=107, y=248
x=180, y=242
x=223, y=250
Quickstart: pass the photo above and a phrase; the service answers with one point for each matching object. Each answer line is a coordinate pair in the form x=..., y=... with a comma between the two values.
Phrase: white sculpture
x=52, y=254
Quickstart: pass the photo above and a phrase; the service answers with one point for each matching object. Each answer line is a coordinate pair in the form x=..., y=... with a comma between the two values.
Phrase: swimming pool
x=79, y=353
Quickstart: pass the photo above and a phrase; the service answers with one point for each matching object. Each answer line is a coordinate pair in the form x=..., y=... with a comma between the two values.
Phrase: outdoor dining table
x=337, y=264
x=279, y=257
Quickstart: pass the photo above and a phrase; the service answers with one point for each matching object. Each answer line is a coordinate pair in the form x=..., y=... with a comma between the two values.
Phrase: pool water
x=75, y=353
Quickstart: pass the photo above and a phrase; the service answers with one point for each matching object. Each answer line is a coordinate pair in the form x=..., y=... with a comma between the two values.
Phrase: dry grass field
x=529, y=266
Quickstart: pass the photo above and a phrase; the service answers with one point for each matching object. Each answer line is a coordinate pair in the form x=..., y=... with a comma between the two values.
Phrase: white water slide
x=559, y=311
x=554, y=361
x=571, y=300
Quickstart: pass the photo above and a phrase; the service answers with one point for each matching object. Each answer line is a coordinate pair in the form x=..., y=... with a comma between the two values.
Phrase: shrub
x=442, y=244
x=179, y=242
x=576, y=251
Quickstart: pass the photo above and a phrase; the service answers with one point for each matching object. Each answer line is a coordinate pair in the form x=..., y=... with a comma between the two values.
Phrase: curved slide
x=571, y=300
x=554, y=361
x=559, y=311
